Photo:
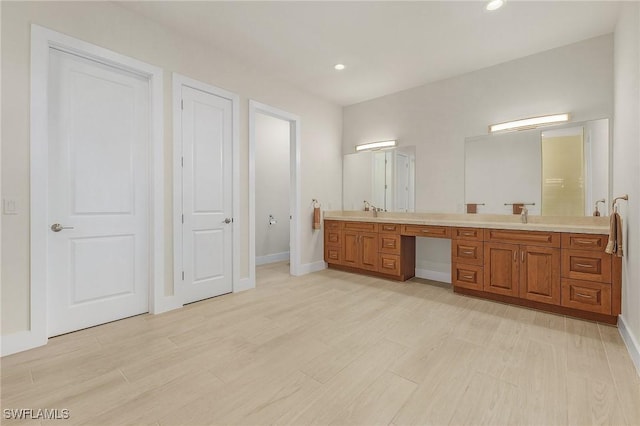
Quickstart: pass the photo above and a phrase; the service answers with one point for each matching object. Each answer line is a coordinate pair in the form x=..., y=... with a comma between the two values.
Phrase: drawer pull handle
x=426, y=230
x=467, y=252
x=469, y=277
x=468, y=234
x=515, y=256
x=582, y=265
x=586, y=296
x=584, y=242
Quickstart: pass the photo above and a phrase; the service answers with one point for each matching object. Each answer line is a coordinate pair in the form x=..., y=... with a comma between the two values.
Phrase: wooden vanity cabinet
x=360, y=245
x=467, y=258
x=590, y=277
x=333, y=241
x=562, y=272
x=371, y=248
x=525, y=270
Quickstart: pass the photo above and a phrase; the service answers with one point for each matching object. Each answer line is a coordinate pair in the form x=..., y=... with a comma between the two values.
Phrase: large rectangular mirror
x=383, y=178
x=557, y=171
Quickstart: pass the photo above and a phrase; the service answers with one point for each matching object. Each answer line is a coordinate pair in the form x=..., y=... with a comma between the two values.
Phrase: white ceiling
x=386, y=46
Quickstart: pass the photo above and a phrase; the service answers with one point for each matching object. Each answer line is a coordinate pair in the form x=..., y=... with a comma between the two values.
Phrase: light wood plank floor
x=333, y=348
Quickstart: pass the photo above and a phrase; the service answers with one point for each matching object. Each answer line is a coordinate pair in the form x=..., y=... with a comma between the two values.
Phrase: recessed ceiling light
x=339, y=67
x=495, y=4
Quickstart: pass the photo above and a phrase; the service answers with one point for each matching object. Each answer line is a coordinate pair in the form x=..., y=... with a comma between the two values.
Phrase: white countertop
x=577, y=224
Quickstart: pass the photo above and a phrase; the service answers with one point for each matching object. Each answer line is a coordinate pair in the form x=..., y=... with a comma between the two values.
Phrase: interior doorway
x=274, y=159
x=273, y=141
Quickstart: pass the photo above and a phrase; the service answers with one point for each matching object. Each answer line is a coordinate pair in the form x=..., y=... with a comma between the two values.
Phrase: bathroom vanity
x=556, y=264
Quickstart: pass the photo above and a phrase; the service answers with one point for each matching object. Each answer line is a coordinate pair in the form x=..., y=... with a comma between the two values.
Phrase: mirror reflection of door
x=385, y=179
x=393, y=180
x=563, y=172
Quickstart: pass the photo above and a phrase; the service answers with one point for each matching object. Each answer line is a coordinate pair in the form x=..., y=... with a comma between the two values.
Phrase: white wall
x=437, y=118
x=272, y=185
x=109, y=25
x=626, y=157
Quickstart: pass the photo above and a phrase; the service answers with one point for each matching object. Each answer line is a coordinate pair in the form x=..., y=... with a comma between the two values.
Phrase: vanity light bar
x=376, y=145
x=529, y=123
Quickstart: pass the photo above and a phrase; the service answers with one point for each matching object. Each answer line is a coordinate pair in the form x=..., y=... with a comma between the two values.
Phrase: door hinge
x=182, y=275
x=181, y=104
x=182, y=218
x=182, y=161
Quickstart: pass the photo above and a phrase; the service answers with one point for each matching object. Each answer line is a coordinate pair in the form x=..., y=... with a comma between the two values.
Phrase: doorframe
x=178, y=82
x=294, y=192
x=42, y=40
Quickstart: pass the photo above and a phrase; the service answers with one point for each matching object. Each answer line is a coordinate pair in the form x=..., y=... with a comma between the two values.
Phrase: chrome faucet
x=524, y=215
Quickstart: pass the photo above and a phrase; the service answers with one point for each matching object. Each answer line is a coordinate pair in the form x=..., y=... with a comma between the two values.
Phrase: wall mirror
x=558, y=171
x=384, y=178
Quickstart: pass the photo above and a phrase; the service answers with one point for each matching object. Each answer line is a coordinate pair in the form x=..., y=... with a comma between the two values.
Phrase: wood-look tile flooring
x=333, y=348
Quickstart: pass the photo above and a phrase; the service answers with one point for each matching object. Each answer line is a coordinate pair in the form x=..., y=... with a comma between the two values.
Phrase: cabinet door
x=368, y=243
x=502, y=268
x=350, y=248
x=540, y=274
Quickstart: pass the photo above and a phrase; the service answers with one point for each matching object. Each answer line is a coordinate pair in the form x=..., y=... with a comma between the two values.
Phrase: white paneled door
x=98, y=199
x=207, y=194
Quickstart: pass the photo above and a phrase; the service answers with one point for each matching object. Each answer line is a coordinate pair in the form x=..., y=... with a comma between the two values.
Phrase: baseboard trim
x=307, y=268
x=19, y=342
x=166, y=304
x=272, y=258
x=244, y=284
x=633, y=346
x=427, y=274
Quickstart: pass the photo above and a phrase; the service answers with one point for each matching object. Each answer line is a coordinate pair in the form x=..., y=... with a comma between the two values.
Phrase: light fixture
x=494, y=4
x=339, y=67
x=529, y=123
x=375, y=145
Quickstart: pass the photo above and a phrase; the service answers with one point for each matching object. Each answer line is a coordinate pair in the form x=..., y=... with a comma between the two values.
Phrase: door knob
x=227, y=220
x=56, y=227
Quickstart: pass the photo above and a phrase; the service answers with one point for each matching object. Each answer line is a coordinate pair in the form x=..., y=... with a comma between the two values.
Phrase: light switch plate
x=9, y=206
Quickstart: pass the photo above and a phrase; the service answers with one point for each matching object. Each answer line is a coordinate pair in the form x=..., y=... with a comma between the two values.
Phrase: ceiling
x=386, y=46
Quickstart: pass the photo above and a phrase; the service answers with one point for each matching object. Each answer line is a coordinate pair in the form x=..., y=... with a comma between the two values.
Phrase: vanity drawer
x=586, y=265
x=332, y=237
x=584, y=241
x=427, y=231
x=467, y=234
x=587, y=296
x=389, y=243
x=467, y=252
x=361, y=226
x=389, y=228
x=467, y=276
x=389, y=264
x=334, y=225
x=532, y=238
x=332, y=254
